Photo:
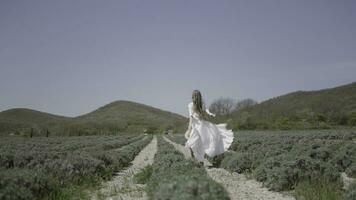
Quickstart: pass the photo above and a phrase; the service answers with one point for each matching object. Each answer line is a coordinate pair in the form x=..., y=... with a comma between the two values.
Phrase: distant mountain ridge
x=300, y=109
x=332, y=106
x=115, y=117
x=31, y=116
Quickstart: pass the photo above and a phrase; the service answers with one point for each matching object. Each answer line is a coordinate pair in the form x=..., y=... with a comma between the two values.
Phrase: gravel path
x=122, y=187
x=237, y=185
x=346, y=180
x=180, y=148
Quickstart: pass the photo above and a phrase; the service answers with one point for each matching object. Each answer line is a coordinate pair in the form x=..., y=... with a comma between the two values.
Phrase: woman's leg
x=191, y=152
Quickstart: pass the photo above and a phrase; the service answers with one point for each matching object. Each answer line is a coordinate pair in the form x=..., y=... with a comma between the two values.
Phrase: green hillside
x=116, y=117
x=301, y=109
x=298, y=110
x=126, y=116
x=21, y=120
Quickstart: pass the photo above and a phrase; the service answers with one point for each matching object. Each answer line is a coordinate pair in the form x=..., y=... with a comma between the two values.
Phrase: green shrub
x=345, y=156
x=261, y=171
x=351, y=170
x=293, y=170
x=351, y=192
x=195, y=186
x=316, y=190
x=52, y=167
x=352, y=119
x=216, y=160
x=22, y=184
x=143, y=175
x=282, y=159
x=174, y=177
x=238, y=162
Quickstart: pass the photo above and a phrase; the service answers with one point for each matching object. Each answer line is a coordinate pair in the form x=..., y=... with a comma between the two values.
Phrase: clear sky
x=70, y=57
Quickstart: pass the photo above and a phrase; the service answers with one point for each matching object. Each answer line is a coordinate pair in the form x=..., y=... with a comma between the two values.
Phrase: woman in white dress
x=204, y=137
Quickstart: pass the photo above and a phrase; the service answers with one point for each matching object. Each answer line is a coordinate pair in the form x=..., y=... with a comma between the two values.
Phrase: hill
x=301, y=109
x=116, y=117
x=20, y=120
x=126, y=116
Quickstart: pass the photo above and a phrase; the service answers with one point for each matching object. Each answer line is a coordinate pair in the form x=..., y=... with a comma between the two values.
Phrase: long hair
x=198, y=104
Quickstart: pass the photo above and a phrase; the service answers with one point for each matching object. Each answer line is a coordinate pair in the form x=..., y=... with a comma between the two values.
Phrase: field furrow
x=122, y=186
x=237, y=185
x=175, y=177
x=63, y=167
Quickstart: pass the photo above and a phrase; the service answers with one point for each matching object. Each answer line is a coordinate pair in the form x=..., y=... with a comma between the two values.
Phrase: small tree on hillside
x=222, y=106
x=245, y=103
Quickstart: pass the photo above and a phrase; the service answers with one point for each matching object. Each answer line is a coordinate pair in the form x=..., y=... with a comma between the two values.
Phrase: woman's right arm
x=187, y=133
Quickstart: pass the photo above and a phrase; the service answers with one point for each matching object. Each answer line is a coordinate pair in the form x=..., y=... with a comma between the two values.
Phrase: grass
x=144, y=175
x=318, y=190
x=74, y=192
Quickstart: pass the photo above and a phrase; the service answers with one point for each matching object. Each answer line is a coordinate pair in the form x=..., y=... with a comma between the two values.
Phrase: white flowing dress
x=205, y=137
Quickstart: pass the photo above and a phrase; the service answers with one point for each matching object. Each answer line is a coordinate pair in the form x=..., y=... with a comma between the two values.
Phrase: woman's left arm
x=208, y=111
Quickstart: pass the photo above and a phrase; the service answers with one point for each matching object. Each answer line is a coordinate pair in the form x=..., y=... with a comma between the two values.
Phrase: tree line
x=243, y=115
x=224, y=106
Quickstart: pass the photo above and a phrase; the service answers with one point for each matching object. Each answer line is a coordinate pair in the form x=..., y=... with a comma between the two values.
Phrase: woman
x=204, y=137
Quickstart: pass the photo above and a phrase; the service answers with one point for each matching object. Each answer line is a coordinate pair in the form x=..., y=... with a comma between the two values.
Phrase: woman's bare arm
x=187, y=133
x=208, y=111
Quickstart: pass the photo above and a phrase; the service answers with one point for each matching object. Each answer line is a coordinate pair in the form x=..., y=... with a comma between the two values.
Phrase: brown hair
x=198, y=104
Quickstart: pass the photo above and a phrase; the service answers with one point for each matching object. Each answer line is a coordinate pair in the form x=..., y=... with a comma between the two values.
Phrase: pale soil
x=180, y=148
x=241, y=188
x=122, y=185
x=346, y=180
x=237, y=185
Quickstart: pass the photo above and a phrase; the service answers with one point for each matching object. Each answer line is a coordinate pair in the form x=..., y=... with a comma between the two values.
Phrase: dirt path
x=122, y=185
x=237, y=185
x=180, y=148
x=346, y=180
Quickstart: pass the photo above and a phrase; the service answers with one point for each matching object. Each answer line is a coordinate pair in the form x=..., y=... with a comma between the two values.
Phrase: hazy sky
x=70, y=57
